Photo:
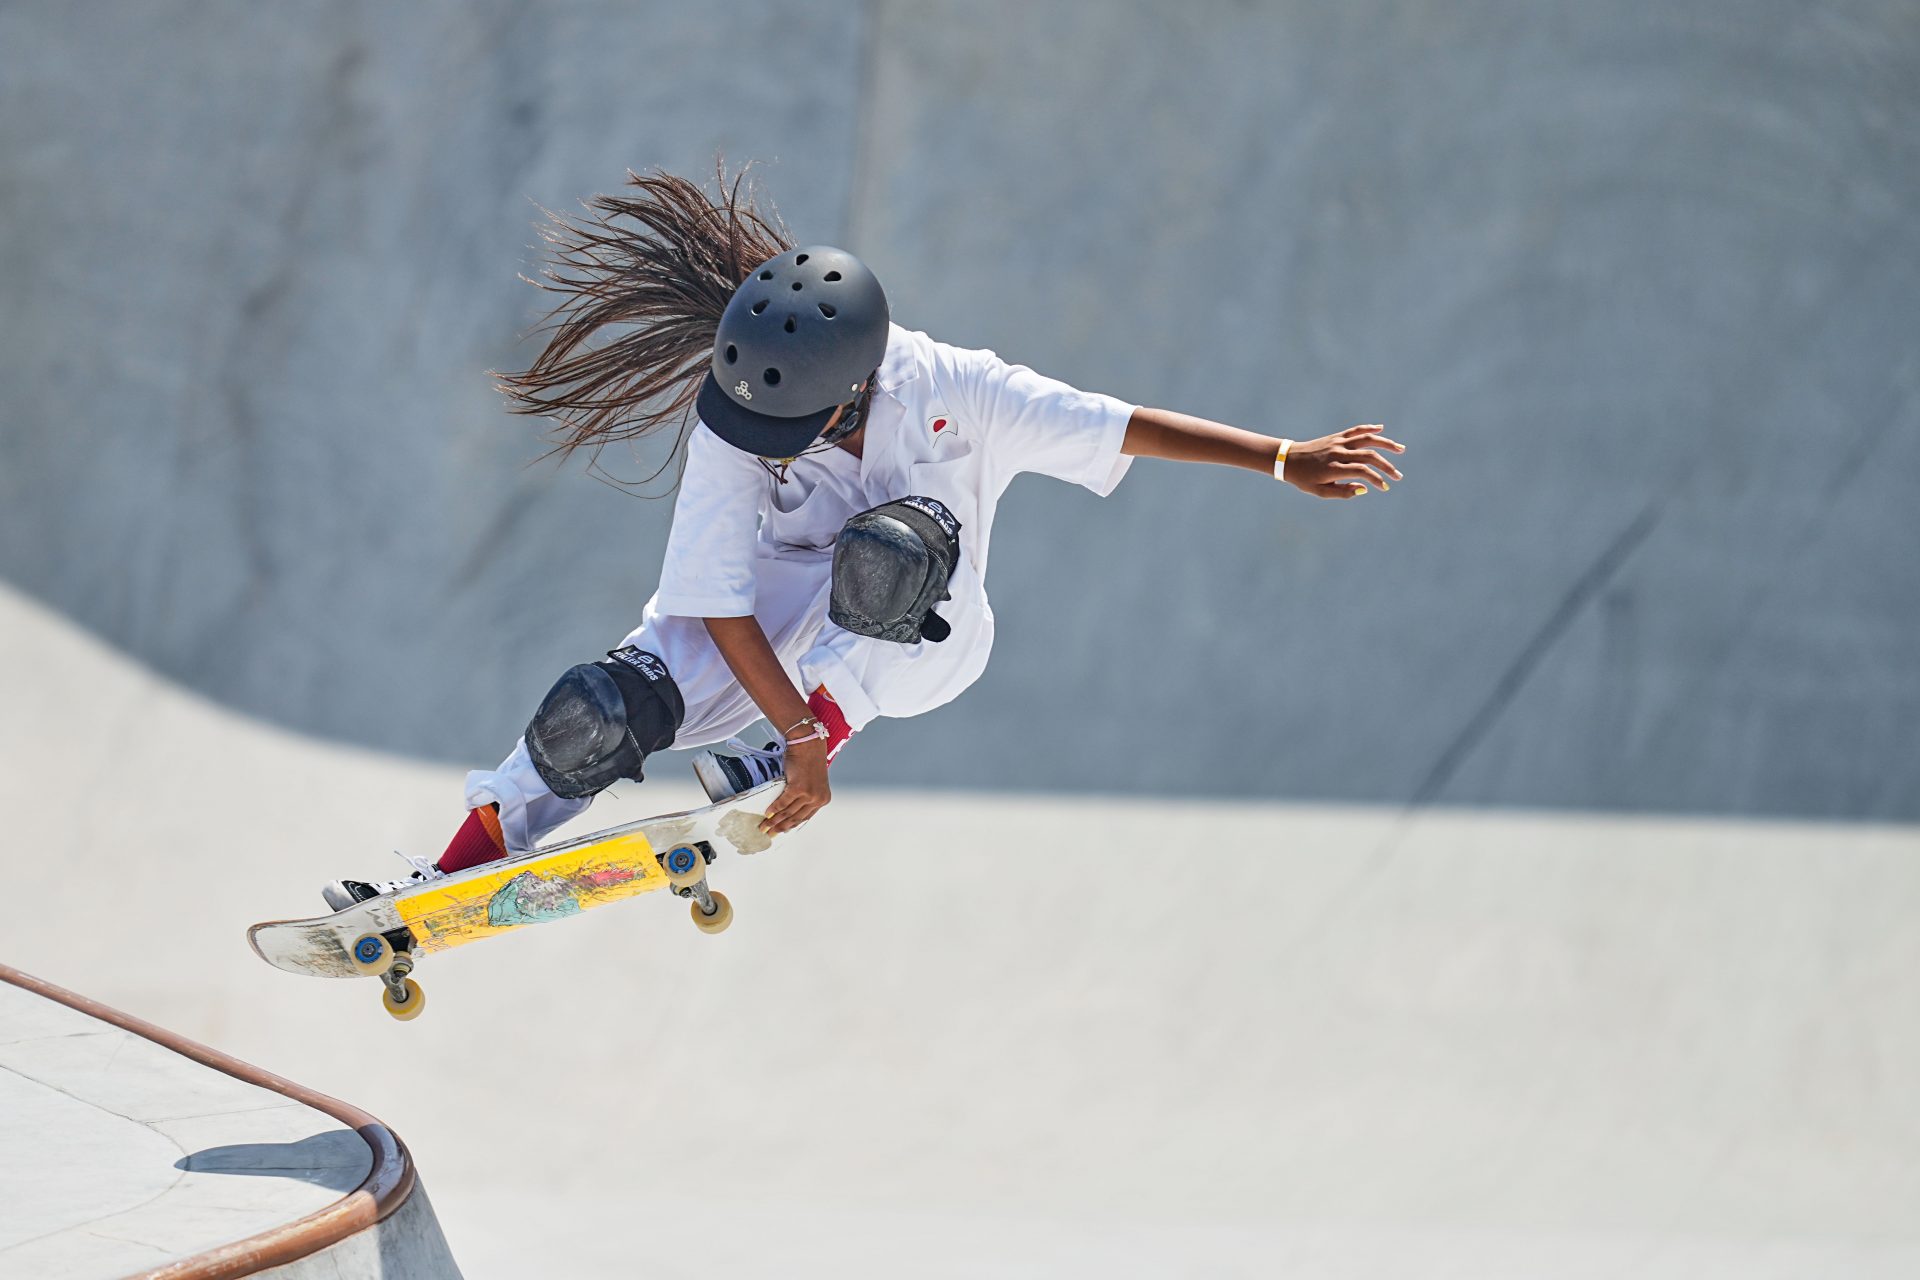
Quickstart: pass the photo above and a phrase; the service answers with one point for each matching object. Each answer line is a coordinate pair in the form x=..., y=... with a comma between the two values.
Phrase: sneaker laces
x=423, y=868
x=759, y=764
x=740, y=747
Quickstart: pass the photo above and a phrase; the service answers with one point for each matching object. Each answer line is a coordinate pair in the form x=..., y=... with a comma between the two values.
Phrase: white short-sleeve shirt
x=944, y=422
x=965, y=422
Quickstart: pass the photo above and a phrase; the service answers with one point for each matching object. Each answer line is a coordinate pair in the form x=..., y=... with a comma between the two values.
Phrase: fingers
x=1362, y=472
x=1358, y=462
x=772, y=824
x=1374, y=458
x=783, y=817
x=1372, y=434
x=790, y=812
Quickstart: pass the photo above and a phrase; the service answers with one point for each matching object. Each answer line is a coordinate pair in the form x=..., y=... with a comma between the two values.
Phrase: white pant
x=867, y=677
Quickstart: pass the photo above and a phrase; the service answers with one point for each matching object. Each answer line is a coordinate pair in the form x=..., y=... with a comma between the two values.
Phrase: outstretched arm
x=1341, y=465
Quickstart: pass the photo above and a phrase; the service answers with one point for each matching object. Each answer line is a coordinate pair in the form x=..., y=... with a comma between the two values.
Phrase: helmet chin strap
x=852, y=417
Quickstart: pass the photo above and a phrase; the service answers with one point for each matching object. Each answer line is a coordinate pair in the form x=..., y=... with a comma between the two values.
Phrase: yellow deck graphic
x=532, y=891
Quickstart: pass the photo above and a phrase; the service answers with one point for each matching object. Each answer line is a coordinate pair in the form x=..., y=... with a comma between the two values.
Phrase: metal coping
x=386, y=1187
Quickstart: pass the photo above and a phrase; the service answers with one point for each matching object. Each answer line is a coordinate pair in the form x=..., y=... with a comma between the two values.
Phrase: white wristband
x=1280, y=460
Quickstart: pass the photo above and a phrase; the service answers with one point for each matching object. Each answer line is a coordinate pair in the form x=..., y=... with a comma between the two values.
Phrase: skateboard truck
x=376, y=955
x=686, y=868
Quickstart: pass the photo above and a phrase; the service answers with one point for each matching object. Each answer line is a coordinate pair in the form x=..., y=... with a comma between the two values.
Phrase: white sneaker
x=726, y=776
x=341, y=894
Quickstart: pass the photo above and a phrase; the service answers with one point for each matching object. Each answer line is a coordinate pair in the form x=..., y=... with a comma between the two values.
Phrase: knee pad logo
x=640, y=660
x=934, y=509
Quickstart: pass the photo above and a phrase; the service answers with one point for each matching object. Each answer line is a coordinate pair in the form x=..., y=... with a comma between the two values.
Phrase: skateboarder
x=828, y=555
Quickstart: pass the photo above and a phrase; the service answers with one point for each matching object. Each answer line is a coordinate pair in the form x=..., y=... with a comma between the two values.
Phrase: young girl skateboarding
x=828, y=557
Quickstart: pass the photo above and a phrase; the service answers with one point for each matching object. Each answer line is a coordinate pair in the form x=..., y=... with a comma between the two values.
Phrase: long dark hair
x=654, y=267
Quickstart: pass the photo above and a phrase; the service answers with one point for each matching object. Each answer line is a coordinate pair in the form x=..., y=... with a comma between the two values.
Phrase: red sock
x=478, y=840
x=821, y=703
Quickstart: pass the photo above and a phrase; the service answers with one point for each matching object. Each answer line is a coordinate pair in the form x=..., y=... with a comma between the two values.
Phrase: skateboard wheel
x=408, y=1007
x=684, y=866
x=370, y=953
x=719, y=920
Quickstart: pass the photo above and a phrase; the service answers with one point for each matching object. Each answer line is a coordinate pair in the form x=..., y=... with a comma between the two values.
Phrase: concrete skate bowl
x=955, y=1035
x=133, y=1151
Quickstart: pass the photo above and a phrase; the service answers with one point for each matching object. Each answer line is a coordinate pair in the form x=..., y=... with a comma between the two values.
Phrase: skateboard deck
x=382, y=937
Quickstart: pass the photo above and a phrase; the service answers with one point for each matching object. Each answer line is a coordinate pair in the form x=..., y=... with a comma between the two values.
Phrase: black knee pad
x=891, y=566
x=601, y=719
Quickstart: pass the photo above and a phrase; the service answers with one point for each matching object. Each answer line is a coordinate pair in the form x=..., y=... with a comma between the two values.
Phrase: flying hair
x=642, y=279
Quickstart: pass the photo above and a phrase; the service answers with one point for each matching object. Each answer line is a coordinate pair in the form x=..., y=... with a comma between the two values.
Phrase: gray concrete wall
x=1636, y=284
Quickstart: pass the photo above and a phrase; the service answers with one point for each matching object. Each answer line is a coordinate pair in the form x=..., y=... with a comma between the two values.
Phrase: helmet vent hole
x=802, y=258
x=733, y=353
x=796, y=286
x=826, y=309
x=771, y=377
x=831, y=275
x=766, y=275
x=789, y=326
x=759, y=306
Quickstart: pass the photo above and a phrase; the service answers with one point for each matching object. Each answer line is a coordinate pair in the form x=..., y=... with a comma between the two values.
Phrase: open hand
x=1344, y=464
x=807, y=793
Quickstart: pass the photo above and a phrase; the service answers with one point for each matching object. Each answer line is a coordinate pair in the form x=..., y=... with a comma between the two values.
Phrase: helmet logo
x=743, y=390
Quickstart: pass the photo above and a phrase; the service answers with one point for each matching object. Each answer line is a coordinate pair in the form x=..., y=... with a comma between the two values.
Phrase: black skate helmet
x=794, y=343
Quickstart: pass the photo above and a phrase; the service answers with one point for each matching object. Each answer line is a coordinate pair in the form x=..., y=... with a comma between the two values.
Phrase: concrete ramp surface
x=131, y=1151
x=982, y=1035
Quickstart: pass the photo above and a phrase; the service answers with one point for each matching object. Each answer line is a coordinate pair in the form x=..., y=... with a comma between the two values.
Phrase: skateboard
x=384, y=937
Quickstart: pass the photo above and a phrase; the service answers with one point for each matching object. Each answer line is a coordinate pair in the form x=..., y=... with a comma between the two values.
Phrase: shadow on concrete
x=337, y=1159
